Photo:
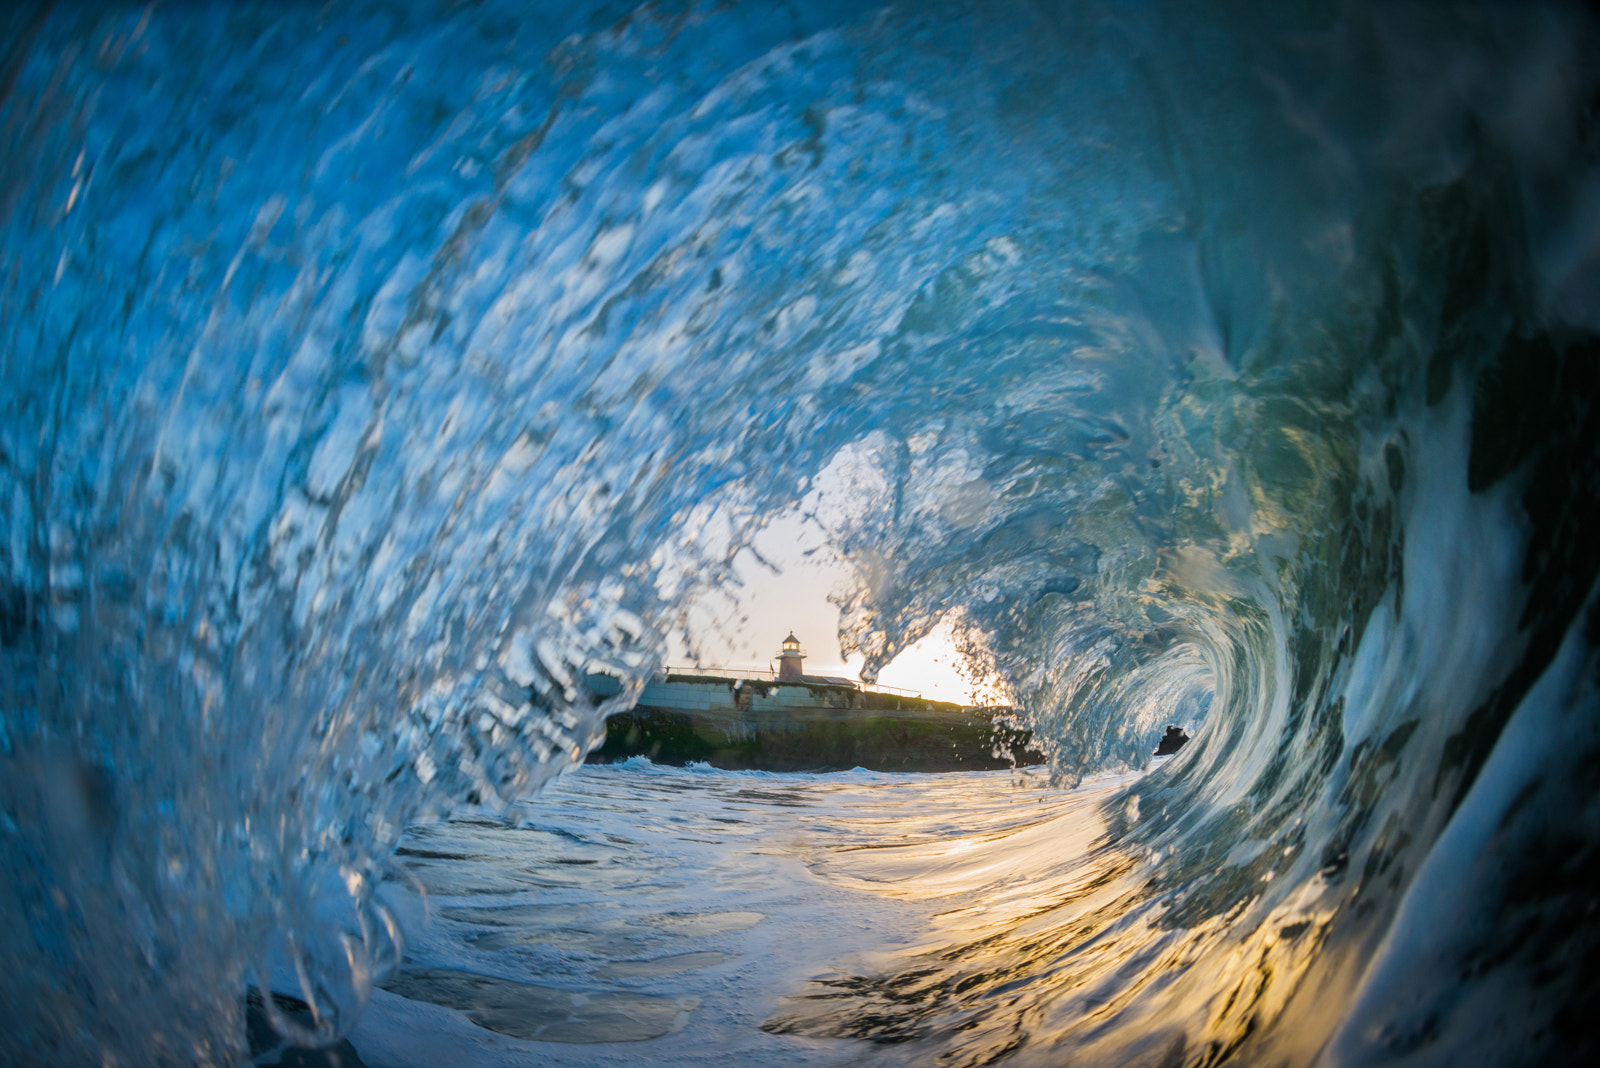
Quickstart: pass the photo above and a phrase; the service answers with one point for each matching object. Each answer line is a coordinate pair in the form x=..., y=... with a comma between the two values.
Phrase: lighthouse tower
x=790, y=657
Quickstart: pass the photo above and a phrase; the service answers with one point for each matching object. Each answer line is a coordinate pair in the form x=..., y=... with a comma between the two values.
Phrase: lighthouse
x=790, y=658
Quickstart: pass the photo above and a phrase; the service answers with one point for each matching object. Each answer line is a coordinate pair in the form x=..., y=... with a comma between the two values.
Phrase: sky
x=785, y=589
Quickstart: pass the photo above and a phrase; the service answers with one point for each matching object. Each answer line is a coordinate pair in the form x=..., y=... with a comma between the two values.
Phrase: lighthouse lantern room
x=790, y=659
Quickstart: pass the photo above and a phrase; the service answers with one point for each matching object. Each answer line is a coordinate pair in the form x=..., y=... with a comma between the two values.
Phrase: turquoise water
x=372, y=373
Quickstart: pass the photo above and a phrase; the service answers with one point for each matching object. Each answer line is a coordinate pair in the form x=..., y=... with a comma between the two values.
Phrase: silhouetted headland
x=790, y=721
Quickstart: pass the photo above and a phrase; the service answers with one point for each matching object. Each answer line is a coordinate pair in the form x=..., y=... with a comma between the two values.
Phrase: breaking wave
x=372, y=372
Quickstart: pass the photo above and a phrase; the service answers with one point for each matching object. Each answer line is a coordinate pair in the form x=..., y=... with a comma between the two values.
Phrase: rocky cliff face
x=814, y=739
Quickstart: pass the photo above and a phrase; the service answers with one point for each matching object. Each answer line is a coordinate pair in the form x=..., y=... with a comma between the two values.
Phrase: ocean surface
x=371, y=372
x=723, y=917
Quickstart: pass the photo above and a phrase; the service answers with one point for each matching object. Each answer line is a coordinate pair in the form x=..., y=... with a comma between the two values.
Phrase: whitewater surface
x=371, y=372
x=704, y=915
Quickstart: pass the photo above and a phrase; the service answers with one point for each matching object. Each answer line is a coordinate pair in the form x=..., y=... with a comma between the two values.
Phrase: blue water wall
x=371, y=371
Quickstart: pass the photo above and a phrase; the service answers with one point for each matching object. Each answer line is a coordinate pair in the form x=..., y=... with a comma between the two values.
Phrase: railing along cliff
x=767, y=676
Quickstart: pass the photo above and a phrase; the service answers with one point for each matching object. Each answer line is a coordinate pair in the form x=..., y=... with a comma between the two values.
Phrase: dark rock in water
x=1172, y=741
x=267, y=1048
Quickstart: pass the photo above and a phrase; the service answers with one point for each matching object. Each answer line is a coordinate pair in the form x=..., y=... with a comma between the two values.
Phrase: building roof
x=830, y=680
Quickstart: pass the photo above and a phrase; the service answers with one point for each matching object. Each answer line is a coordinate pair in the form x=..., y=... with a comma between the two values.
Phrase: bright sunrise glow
x=936, y=668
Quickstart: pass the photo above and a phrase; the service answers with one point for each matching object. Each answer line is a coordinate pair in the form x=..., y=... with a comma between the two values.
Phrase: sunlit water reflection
x=720, y=916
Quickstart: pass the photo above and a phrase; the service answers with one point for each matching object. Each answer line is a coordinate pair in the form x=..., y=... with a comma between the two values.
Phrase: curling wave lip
x=373, y=376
